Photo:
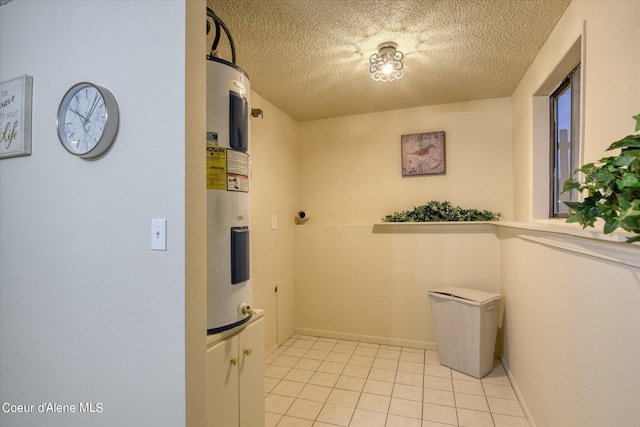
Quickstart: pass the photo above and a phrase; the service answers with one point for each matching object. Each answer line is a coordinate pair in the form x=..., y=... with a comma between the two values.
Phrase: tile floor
x=322, y=382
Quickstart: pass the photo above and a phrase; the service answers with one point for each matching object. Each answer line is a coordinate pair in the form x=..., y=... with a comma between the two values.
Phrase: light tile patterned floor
x=322, y=382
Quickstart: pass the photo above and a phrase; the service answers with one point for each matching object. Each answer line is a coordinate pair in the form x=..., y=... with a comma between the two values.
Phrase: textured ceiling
x=310, y=58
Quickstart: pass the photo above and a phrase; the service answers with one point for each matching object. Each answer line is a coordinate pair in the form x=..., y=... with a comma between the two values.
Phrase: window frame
x=572, y=82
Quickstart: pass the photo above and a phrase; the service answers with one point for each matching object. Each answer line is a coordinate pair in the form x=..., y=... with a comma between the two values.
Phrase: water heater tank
x=229, y=290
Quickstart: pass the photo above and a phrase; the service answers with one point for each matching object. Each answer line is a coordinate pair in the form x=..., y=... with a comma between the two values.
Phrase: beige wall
x=274, y=168
x=350, y=169
x=195, y=219
x=572, y=333
x=611, y=86
x=354, y=282
x=571, y=323
x=572, y=339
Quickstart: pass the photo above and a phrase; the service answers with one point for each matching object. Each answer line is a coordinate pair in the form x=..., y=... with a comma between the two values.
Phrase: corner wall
x=611, y=86
x=274, y=184
x=572, y=334
x=195, y=218
x=352, y=282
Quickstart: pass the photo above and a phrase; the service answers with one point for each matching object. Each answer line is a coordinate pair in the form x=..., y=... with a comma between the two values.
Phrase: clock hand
x=93, y=107
x=83, y=117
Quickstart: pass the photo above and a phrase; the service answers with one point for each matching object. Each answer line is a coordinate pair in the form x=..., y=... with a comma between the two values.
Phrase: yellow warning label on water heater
x=216, y=167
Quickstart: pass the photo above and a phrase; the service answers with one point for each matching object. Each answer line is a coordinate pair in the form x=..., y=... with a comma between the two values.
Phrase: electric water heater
x=229, y=293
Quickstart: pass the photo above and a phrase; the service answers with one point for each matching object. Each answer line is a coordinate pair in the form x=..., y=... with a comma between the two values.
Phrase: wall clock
x=87, y=120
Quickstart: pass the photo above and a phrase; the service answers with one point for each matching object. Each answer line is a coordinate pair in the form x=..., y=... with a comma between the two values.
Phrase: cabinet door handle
x=248, y=351
x=234, y=361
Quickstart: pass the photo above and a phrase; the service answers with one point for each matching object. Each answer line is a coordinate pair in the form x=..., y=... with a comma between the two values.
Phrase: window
x=565, y=125
x=544, y=180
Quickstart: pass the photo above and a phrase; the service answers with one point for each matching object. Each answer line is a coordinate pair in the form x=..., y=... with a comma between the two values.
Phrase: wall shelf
x=563, y=236
x=435, y=227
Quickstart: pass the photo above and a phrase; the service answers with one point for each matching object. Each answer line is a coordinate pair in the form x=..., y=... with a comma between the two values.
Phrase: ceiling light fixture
x=387, y=64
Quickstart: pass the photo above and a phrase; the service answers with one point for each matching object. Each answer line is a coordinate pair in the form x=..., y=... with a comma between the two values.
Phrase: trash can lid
x=466, y=293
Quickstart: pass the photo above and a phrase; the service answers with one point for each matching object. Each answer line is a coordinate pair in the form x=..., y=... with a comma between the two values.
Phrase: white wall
x=88, y=313
x=572, y=334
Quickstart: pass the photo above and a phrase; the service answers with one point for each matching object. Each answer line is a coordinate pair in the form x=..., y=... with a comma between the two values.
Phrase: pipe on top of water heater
x=219, y=23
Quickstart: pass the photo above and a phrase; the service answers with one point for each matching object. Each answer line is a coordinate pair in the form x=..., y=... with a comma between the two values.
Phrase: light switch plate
x=274, y=222
x=159, y=234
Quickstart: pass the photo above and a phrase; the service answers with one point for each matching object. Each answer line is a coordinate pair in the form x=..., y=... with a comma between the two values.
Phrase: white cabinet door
x=251, y=350
x=235, y=379
x=222, y=383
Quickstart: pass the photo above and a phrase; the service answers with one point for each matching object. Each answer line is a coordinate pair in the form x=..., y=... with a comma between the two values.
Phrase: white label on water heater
x=237, y=183
x=237, y=162
x=238, y=87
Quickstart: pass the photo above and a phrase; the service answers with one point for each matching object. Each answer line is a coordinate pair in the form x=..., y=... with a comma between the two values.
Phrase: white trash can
x=466, y=323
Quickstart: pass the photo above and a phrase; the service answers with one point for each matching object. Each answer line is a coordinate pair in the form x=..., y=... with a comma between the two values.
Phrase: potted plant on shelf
x=435, y=211
x=612, y=189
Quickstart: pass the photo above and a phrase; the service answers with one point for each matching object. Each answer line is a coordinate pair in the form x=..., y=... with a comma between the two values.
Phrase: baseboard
x=367, y=338
x=527, y=414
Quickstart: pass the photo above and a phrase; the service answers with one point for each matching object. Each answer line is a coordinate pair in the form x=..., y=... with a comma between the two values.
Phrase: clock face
x=87, y=120
x=84, y=120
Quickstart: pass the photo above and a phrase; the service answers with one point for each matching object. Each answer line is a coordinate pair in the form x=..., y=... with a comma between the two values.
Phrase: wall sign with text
x=16, y=98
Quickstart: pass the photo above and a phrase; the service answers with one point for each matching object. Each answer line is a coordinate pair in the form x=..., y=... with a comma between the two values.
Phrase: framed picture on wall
x=15, y=117
x=423, y=154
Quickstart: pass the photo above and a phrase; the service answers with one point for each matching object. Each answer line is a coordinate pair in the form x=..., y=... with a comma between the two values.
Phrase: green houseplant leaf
x=611, y=189
x=435, y=211
x=627, y=141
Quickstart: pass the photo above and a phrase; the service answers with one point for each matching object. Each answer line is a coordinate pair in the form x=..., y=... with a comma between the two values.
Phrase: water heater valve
x=245, y=309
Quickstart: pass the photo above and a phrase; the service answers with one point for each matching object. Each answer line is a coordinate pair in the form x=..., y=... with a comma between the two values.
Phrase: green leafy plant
x=441, y=211
x=612, y=189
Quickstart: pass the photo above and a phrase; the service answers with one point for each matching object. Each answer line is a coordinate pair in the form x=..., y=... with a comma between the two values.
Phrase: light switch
x=159, y=234
x=274, y=222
